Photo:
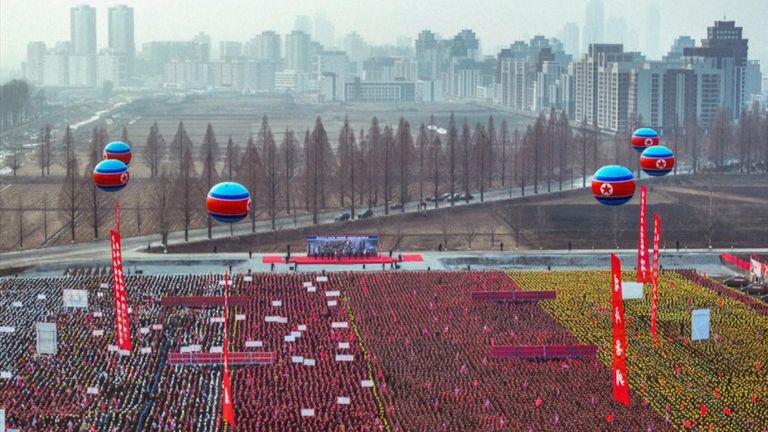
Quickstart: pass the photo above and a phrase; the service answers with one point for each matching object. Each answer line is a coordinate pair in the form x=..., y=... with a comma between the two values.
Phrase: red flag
x=619, y=364
x=228, y=409
x=122, y=321
x=655, y=273
x=643, y=271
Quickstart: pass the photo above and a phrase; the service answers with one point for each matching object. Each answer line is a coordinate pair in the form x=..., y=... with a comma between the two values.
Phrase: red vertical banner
x=227, y=406
x=643, y=271
x=122, y=321
x=619, y=364
x=655, y=292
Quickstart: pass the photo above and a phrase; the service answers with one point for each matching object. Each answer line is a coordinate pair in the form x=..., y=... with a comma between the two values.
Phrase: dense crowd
x=348, y=248
x=431, y=348
x=749, y=301
x=715, y=384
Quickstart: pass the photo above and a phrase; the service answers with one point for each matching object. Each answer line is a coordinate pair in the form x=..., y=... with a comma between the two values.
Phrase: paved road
x=98, y=250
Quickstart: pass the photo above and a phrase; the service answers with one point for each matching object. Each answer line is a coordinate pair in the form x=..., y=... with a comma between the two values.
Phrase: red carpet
x=276, y=259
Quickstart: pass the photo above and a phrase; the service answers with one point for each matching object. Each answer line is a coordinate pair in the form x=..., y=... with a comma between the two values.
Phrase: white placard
x=157, y=326
x=123, y=352
x=195, y=348
x=98, y=333
x=100, y=294
x=47, y=338
x=75, y=298
x=343, y=400
x=144, y=330
x=312, y=289
x=282, y=320
x=631, y=290
x=366, y=383
x=184, y=350
x=247, y=278
x=41, y=296
x=253, y=344
x=309, y=362
x=98, y=314
x=277, y=303
x=275, y=318
x=332, y=303
x=345, y=357
x=240, y=317
x=289, y=338
x=146, y=350
x=112, y=348
x=297, y=359
x=6, y=375
x=322, y=279
x=307, y=284
x=7, y=329
x=216, y=349
x=2, y=421
x=103, y=285
x=92, y=390
x=217, y=320
x=296, y=333
x=339, y=324
x=343, y=345
x=307, y=412
x=302, y=327
x=332, y=293
x=17, y=304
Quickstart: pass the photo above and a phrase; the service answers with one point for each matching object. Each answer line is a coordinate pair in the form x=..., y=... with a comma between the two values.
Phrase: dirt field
x=738, y=218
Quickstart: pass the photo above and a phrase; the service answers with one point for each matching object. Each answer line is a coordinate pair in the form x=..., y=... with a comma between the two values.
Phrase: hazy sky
x=496, y=22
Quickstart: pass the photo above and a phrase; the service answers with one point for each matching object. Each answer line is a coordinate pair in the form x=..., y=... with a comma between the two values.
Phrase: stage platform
x=277, y=259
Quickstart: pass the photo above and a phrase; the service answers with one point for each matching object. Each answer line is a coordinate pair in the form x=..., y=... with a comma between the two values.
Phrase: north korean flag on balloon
x=122, y=321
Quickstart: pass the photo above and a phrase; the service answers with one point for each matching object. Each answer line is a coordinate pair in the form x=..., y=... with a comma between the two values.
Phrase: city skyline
x=494, y=32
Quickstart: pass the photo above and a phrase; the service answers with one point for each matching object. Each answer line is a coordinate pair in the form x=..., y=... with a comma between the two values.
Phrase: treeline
x=18, y=103
x=376, y=164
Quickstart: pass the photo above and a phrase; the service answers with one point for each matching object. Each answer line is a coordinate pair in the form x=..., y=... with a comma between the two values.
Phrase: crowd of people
x=714, y=384
x=749, y=301
x=417, y=335
x=431, y=348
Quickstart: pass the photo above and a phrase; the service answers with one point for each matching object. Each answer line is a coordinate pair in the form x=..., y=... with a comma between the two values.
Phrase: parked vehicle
x=396, y=206
x=341, y=217
x=366, y=214
x=736, y=282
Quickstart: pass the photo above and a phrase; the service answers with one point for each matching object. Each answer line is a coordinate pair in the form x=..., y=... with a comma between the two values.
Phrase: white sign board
x=98, y=314
x=343, y=345
x=297, y=359
x=700, y=320
x=145, y=350
x=343, y=400
x=322, y=279
x=92, y=390
x=103, y=285
x=2, y=420
x=302, y=327
x=144, y=330
x=216, y=349
x=17, y=304
x=332, y=303
x=157, y=326
x=345, y=357
x=312, y=289
x=277, y=303
x=41, y=296
x=307, y=284
x=7, y=329
x=332, y=293
x=248, y=278
x=112, y=348
x=75, y=298
x=339, y=324
x=309, y=362
x=240, y=317
x=98, y=333
x=46, y=338
x=253, y=344
x=215, y=320
x=631, y=290
x=100, y=294
x=296, y=333
x=123, y=352
x=307, y=412
x=366, y=383
x=289, y=338
x=6, y=375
